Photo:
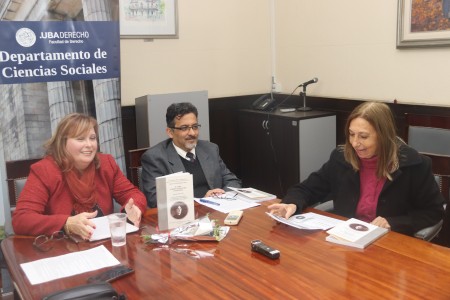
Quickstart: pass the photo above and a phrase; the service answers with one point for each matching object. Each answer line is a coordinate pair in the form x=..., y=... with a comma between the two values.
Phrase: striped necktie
x=190, y=156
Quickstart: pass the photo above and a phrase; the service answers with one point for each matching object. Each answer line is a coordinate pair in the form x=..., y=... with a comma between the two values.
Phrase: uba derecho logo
x=25, y=37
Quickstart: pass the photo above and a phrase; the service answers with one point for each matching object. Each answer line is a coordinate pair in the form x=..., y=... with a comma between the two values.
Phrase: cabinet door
x=268, y=152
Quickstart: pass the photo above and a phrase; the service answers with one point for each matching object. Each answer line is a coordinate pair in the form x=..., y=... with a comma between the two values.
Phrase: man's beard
x=190, y=144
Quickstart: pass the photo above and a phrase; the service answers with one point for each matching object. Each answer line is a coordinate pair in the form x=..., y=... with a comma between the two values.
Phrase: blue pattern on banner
x=58, y=51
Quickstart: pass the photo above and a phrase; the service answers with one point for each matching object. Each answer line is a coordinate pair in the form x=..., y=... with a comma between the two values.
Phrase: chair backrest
x=135, y=166
x=441, y=169
x=17, y=173
x=428, y=134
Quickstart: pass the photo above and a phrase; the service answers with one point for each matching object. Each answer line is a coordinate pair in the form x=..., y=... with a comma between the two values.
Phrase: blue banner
x=58, y=51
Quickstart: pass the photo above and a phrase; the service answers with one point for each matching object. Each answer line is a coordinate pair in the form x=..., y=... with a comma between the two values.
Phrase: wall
x=223, y=47
x=350, y=45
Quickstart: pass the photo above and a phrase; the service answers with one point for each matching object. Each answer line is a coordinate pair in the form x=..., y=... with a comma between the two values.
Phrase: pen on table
x=209, y=202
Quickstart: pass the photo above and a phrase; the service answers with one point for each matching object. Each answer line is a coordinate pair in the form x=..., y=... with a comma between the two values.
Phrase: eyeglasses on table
x=44, y=243
x=225, y=196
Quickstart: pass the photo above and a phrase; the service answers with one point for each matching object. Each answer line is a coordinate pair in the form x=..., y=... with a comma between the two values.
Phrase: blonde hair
x=380, y=117
x=71, y=126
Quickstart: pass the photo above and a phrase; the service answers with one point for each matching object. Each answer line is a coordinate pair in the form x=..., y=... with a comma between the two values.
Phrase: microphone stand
x=303, y=95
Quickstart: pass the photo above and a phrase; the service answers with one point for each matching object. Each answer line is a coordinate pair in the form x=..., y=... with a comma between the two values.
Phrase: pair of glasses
x=44, y=243
x=225, y=197
x=187, y=128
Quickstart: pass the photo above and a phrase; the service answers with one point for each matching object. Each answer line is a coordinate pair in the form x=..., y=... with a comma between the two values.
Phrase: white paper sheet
x=66, y=265
x=102, y=229
x=310, y=221
x=226, y=205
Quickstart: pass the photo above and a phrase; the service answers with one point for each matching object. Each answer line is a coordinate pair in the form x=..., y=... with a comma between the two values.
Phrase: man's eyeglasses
x=187, y=128
x=44, y=243
x=225, y=196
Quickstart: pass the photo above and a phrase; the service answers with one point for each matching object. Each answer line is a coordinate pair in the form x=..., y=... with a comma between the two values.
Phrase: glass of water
x=118, y=225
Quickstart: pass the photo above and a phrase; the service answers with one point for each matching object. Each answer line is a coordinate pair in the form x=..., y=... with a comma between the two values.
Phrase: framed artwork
x=148, y=19
x=423, y=23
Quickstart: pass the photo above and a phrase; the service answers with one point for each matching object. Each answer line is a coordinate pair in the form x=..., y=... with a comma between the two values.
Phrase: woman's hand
x=214, y=192
x=133, y=212
x=282, y=209
x=81, y=225
x=381, y=222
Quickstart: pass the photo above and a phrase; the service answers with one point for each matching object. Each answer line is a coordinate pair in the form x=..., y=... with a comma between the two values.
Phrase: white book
x=355, y=233
x=175, y=200
x=252, y=194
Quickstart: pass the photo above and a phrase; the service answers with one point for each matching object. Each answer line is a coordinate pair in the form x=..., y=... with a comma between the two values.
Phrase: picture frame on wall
x=148, y=19
x=423, y=23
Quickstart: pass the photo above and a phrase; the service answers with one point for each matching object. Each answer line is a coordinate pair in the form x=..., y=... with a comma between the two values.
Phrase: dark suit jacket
x=162, y=159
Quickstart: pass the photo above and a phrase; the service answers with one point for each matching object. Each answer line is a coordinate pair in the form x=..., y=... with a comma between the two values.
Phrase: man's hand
x=214, y=192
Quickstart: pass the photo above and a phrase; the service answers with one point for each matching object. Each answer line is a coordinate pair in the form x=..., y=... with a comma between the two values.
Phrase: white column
x=107, y=94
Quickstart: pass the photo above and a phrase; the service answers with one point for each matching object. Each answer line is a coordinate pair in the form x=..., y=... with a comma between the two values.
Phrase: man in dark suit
x=183, y=151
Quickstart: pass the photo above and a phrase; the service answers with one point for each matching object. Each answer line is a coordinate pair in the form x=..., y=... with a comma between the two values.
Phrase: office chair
x=135, y=166
x=17, y=172
x=430, y=135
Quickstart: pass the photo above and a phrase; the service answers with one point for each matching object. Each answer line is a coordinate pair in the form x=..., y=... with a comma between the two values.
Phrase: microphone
x=304, y=84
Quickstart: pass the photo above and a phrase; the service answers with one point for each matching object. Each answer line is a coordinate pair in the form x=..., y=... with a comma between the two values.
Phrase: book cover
x=175, y=200
x=355, y=233
x=252, y=194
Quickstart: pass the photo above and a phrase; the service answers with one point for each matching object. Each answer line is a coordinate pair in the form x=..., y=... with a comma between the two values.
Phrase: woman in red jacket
x=74, y=183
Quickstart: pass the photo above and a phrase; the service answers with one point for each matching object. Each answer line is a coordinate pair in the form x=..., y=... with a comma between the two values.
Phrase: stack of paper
x=355, y=233
x=253, y=194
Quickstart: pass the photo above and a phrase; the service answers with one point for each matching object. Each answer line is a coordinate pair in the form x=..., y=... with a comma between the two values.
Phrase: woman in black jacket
x=374, y=177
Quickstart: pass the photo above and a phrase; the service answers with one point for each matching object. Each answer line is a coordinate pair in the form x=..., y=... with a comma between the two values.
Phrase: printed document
x=66, y=265
x=226, y=205
x=309, y=221
x=251, y=194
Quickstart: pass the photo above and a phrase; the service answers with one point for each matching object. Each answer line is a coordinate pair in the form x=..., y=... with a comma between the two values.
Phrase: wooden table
x=394, y=267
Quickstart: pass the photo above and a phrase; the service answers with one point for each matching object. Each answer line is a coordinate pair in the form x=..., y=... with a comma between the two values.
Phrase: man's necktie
x=190, y=156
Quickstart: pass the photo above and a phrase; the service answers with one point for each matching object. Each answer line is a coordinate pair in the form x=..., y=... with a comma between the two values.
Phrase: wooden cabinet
x=278, y=150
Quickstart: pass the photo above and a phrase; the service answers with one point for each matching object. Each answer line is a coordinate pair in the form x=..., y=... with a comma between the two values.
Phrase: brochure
x=308, y=221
